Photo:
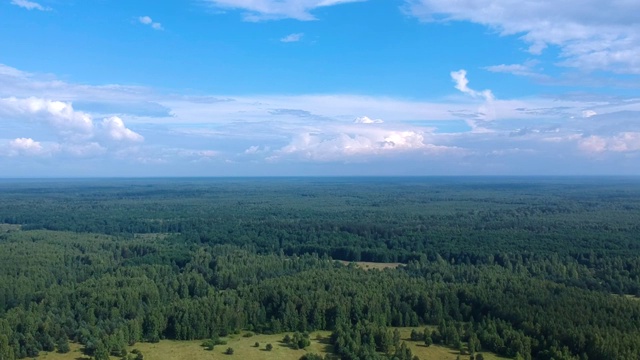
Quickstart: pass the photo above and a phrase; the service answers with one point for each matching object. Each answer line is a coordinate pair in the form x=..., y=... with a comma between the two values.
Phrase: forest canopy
x=500, y=263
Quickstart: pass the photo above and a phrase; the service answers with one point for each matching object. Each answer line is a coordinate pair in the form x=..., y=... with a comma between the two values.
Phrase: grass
x=436, y=352
x=244, y=349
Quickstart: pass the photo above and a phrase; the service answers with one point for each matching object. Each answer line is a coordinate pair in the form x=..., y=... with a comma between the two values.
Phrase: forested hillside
x=527, y=268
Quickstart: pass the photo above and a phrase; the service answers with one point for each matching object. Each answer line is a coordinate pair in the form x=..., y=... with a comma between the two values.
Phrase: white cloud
x=620, y=143
x=60, y=115
x=90, y=149
x=358, y=144
x=115, y=129
x=460, y=78
x=367, y=120
x=146, y=20
x=22, y=84
x=25, y=146
x=589, y=37
x=11, y=72
x=249, y=129
x=254, y=150
x=485, y=112
x=525, y=69
x=292, y=38
x=77, y=133
x=259, y=10
x=30, y=5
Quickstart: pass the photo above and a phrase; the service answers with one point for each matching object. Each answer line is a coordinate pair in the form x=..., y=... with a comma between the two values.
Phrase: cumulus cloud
x=30, y=5
x=352, y=144
x=25, y=146
x=64, y=118
x=588, y=37
x=78, y=135
x=115, y=129
x=621, y=143
x=59, y=114
x=367, y=120
x=146, y=20
x=259, y=10
x=292, y=38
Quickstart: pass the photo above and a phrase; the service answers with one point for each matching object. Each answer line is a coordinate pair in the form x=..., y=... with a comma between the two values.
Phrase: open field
x=192, y=350
x=372, y=265
x=244, y=349
x=8, y=227
x=435, y=352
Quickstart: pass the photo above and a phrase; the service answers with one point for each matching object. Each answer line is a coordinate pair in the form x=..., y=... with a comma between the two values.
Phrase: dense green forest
x=529, y=268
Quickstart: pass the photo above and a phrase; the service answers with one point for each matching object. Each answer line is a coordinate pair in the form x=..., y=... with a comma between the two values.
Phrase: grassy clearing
x=244, y=349
x=4, y=228
x=435, y=352
x=372, y=265
x=74, y=354
x=152, y=236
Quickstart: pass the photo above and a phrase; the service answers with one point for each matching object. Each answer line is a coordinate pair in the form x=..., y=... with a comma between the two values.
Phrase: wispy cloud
x=292, y=38
x=367, y=120
x=525, y=69
x=260, y=10
x=146, y=20
x=30, y=5
x=588, y=37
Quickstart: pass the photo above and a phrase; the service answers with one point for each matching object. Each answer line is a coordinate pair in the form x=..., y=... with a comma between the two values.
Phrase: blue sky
x=318, y=87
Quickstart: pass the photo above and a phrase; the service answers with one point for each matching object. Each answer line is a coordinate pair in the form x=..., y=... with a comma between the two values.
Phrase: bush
x=229, y=351
x=209, y=344
x=311, y=357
